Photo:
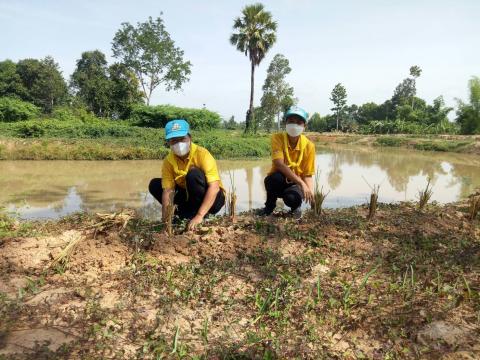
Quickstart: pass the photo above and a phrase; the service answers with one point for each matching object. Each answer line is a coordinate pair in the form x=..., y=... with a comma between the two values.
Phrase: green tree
x=124, y=91
x=10, y=82
x=317, y=123
x=255, y=33
x=43, y=81
x=149, y=51
x=438, y=112
x=415, y=72
x=468, y=115
x=339, y=99
x=91, y=83
x=230, y=124
x=277, y=93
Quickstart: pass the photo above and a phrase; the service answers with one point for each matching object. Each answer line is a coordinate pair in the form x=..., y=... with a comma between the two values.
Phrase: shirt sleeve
x=168, y=177
x=309, y=169
x=209, y=166
x=277, y=147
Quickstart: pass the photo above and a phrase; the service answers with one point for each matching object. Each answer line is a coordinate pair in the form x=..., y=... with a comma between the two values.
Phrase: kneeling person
x=190, y=172
x=293, y=165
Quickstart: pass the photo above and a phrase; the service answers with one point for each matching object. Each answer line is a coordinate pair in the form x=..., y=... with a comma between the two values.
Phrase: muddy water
x=50, y=189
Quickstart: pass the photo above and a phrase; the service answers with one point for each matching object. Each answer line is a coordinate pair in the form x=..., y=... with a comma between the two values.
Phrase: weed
x=319, y=196
x=424, y=195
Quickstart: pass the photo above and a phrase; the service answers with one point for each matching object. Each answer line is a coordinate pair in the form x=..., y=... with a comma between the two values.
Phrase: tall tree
x=254, y=34
x=37, y=81
x=91, y=83
x=339, y=99
x=276, y=91
x=10, y=82
x=468, y=115
x=151, y=53
x=124, y=90
x=415, y=72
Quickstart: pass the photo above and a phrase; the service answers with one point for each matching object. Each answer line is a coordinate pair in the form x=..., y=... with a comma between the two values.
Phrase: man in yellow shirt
x=293, y=165
x=190, y=172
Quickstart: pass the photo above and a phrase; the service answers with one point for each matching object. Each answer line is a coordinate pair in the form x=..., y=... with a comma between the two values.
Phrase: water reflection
x=49, y=189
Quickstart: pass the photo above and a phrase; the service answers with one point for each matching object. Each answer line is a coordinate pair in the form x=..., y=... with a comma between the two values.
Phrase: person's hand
x=197, y=219
x=307, y=193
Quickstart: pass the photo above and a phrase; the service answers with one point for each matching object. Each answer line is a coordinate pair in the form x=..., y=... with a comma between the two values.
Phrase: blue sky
x=366, y=45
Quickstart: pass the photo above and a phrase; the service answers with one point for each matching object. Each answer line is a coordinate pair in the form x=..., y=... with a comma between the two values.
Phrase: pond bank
x=466, y=144
x=403, y=285
x=221, y=143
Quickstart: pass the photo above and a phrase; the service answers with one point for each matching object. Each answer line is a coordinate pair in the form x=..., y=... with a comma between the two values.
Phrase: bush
x=30, y=130
x=406, y=127
x=12, y=109
x=158, y=116
x=389, y=141
x=73, y=114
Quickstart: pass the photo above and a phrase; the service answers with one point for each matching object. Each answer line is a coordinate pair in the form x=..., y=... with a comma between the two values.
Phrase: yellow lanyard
x=181, y=173
x=295, y=165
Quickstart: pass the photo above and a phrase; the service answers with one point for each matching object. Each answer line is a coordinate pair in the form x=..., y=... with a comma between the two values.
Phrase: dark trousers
x=277, y=187
x=187, y=206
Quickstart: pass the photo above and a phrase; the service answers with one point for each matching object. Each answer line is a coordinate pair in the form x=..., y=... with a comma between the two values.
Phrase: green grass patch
x=52, y=139
x=389, y=141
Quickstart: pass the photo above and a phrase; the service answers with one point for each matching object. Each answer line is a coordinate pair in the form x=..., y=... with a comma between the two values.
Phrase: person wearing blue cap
x=293, y=165
x=190, y=172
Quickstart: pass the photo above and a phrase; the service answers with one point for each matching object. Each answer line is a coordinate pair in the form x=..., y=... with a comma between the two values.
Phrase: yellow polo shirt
x=174, y=169
x=302, y=157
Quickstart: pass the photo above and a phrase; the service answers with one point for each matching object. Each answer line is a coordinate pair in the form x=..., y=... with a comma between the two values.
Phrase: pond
x=51, y=189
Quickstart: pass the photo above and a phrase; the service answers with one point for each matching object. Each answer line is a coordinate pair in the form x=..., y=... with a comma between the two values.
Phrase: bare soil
x=403, y=285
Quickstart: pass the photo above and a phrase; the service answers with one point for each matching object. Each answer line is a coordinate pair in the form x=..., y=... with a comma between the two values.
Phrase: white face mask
x=181, y=148
x=294, y=130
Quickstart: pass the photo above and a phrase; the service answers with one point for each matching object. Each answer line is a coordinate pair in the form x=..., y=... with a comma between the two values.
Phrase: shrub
x=158, y=116
x=30, y=130
x=12, y=109
x=389, y=141
x=73, y=114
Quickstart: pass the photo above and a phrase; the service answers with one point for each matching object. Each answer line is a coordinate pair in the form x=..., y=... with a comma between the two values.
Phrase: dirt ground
x=336, y=286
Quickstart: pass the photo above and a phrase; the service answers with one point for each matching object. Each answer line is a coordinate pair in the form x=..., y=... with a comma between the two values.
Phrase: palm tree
x=254, y=35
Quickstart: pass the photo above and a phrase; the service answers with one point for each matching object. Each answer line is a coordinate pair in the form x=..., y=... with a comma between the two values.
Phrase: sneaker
x=263, y=212
x=296, y=214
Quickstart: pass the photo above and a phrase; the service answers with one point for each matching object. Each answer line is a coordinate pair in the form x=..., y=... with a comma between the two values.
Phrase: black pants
x=277, y=187
x=187, y=206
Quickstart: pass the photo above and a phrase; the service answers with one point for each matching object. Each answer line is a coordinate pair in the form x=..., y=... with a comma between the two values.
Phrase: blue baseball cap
x=295, y=110
x=176, y=128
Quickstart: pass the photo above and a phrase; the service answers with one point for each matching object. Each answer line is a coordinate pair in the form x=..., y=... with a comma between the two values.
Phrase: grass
x=318, y=195
x=430, y=143
x=111, y=140
x=424, y=195
x=96, y=139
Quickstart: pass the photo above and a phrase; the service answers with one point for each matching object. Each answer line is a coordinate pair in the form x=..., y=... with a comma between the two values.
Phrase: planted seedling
x=424, y=195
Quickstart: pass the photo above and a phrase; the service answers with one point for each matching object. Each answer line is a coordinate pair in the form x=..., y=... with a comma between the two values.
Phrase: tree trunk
x=250, y=116
x=337, y=121
x=278, y=121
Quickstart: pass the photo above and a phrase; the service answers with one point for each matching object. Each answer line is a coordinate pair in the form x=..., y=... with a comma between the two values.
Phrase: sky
x=368, y=45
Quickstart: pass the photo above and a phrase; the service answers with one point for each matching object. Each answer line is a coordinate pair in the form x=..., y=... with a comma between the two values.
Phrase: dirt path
x=405, y=285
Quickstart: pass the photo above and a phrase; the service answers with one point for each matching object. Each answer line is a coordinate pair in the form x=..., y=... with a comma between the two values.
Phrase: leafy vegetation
x=158, y=116
x=12, y=109
x=148, y=50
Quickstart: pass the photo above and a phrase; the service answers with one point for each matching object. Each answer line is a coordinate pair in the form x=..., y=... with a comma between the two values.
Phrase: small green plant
x=318, y=196
x=424, y=195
